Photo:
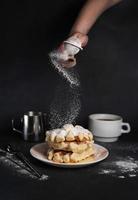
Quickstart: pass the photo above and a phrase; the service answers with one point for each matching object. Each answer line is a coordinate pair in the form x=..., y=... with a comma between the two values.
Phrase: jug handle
x=13, y=127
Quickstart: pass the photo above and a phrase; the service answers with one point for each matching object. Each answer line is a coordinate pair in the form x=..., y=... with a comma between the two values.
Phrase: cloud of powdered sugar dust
x=65, y=106
x=70, y=75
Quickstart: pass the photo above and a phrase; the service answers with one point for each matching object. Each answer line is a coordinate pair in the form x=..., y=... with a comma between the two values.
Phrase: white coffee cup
x=107, y=127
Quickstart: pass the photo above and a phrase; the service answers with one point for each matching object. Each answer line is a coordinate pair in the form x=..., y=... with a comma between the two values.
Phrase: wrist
x=82, y=37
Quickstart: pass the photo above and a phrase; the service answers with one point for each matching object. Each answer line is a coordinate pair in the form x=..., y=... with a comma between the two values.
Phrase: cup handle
x=127, y=125
x=13, y=127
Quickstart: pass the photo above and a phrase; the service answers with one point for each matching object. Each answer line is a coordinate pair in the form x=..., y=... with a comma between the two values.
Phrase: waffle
x=69, y=144
x=69, y=157
x=69, y=133
x=75, y=147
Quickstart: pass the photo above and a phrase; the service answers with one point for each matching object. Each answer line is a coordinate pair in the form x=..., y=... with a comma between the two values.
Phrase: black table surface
x=66, y=183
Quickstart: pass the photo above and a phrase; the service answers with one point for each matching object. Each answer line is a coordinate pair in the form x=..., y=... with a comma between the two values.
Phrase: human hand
x=64, y=55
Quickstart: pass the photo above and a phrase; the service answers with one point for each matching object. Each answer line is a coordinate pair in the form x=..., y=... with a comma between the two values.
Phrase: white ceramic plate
x=39, y=152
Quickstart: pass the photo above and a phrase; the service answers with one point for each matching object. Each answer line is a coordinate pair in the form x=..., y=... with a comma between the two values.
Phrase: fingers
x=71, y=62
x=65, y=53
x=82, y=37
x=61, y=47
x=72, y=50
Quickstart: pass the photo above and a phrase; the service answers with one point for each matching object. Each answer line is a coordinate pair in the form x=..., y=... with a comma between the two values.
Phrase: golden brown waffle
x=69, y=133
x=69, y=157
x=69, y=144
x=76, y=147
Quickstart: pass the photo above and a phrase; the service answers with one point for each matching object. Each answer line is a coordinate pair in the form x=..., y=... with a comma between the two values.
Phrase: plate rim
x=68, y=165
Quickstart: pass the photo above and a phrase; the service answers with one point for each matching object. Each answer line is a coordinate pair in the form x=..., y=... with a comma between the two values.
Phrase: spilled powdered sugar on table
x=11, y=162
x=121, y=168
x=123, y=163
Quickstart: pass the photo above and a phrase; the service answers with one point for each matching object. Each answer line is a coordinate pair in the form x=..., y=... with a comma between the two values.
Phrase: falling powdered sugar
x=68, y=74
x=65, y=106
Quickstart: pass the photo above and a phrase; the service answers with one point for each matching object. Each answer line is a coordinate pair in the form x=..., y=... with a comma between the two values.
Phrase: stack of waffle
x=70, y=144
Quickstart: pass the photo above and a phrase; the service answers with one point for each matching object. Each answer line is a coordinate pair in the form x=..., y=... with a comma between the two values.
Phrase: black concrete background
x=108, y=69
